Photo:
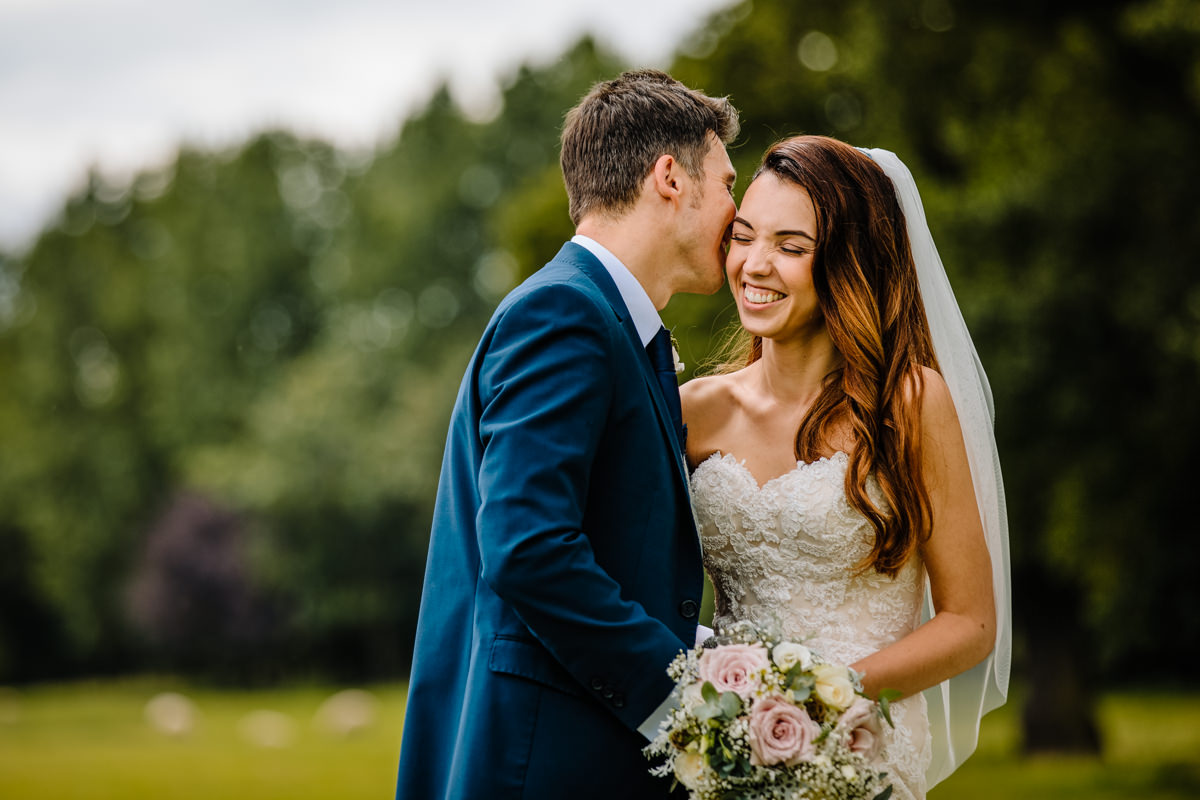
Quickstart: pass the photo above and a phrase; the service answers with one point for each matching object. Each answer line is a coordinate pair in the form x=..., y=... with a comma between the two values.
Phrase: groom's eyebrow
x=781, y=234
x=730, y=180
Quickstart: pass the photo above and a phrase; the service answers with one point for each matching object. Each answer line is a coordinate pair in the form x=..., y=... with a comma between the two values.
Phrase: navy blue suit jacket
x=564, y=568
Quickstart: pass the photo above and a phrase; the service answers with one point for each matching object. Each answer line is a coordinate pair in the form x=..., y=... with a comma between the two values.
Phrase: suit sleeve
x=545, y=386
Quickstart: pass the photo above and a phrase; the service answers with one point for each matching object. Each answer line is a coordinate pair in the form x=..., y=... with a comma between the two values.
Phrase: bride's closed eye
x=788, y=249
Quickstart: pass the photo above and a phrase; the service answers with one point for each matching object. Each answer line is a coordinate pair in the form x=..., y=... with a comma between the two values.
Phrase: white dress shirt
x=641, y=307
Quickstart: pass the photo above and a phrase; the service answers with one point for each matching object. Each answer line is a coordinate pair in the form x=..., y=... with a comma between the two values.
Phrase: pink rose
x=780, y=733
x=734, y=667
x=860, y=727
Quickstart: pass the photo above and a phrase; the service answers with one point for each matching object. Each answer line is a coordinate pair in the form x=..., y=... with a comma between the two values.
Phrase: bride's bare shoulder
x=708, y=396
x=712, y=408
x=709, y=407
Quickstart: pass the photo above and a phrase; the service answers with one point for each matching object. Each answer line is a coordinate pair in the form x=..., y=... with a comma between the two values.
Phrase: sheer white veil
x=956, y=705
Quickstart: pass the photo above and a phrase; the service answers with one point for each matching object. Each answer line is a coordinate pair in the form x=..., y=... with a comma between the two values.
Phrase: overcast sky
x=119, y=83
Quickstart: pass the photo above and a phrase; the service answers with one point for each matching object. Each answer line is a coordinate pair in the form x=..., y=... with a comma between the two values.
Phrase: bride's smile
x=758, y=296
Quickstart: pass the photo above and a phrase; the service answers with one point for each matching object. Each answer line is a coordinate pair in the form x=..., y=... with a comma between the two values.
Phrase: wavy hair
x=867, y=291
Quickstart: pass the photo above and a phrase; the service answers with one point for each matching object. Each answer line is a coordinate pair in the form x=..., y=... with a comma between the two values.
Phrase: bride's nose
x=758, y=261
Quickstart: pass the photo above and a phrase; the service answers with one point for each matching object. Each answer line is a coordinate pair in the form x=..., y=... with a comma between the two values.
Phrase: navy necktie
x=663, y=359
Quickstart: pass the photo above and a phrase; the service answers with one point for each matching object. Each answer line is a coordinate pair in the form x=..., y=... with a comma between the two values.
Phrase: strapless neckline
x=837, y=458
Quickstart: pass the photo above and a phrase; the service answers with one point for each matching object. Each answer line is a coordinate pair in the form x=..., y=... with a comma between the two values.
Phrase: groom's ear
x=667, y=177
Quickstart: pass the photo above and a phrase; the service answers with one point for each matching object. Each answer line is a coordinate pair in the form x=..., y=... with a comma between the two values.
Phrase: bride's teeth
x=761, y=296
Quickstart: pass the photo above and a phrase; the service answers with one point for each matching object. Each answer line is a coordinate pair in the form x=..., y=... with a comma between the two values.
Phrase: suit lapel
x=595, y=272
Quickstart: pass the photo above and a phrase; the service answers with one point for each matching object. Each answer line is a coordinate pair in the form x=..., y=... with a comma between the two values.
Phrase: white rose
x=833, y=685
x=690, y=768
x=789, y=654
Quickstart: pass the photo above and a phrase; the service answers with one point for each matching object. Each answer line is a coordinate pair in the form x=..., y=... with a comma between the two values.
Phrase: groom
x=564, y=568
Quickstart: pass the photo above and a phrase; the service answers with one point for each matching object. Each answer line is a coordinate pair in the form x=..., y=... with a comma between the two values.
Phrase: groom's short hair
x=612, y=139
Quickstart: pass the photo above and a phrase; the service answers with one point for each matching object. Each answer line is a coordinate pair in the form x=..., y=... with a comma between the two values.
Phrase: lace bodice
x=786, y=555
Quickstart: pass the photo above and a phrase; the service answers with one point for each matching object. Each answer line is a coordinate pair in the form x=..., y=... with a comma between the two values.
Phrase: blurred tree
x=194, y=598
x=151, y=314
x=32, y=644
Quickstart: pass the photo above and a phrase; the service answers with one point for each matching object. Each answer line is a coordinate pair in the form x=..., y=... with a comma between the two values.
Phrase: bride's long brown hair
x=867, y=291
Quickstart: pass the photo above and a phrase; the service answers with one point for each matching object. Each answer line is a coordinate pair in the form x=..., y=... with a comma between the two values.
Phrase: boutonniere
x=675, y=355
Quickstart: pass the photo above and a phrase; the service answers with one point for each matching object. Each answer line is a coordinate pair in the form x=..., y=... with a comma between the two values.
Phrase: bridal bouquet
x=759, y=718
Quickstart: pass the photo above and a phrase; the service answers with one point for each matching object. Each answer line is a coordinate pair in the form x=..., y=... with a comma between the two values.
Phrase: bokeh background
x=226, y=369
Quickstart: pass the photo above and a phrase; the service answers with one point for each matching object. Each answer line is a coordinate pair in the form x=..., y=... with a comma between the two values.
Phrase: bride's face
x=770, y=260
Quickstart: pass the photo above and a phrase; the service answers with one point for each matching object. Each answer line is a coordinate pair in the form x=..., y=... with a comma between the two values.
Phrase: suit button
x=689, y=609
x=608, y=693
x=597, y=684
x=618, y=701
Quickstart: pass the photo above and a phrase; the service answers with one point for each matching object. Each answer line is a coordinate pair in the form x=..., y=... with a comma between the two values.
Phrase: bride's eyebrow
x=795, y=233
x=777, y=233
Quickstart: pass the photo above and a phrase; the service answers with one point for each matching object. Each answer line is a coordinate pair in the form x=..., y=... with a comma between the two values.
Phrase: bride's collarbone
x=771, y=448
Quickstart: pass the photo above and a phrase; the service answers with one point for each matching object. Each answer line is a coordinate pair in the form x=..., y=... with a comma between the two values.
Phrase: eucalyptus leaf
x=885, y=703
x=731, y=704
x=803, y=681
x=802, y=686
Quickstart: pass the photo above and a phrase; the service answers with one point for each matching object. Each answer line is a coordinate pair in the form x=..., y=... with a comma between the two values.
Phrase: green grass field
x=1151, y=752
x=91, y=741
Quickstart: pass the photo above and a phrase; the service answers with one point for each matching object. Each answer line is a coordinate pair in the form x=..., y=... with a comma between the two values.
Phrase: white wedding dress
x=785, y=556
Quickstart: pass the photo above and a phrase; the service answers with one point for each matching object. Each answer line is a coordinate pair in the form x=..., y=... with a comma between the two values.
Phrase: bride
x=844, y=472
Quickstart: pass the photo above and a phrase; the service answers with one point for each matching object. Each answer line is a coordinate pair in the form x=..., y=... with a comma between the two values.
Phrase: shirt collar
x=641, y=308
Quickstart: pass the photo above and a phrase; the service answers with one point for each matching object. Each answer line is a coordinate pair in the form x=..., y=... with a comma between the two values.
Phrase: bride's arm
x=963, y=629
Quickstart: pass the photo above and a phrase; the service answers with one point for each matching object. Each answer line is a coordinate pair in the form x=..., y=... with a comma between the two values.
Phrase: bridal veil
x=956, y=705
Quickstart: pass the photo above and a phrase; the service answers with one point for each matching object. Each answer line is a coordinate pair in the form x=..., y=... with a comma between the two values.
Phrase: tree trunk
x=1058, y=714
